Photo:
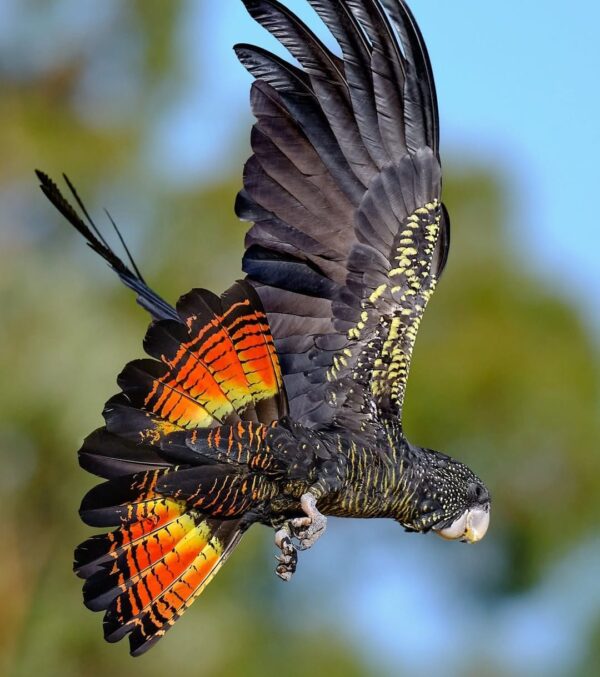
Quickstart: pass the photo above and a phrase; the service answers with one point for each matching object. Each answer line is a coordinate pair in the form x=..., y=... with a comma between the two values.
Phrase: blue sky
x=518, y=91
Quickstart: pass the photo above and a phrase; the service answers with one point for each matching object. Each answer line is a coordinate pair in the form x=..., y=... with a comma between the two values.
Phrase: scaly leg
x=308, y=529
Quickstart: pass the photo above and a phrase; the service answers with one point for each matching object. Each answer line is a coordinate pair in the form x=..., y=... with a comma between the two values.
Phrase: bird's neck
x=407, y=477
x=379, y=482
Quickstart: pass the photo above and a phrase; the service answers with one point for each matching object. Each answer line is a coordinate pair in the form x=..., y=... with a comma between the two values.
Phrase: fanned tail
x=184, y=458
x=147, y=572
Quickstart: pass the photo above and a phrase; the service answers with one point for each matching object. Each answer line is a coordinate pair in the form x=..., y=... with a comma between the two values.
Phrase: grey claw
x=305, y=530
x=284, y=574
x=288, y=559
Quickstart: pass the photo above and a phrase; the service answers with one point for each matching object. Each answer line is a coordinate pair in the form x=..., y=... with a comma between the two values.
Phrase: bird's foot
x=305, y=530
x=308, y=529
x=289, y=555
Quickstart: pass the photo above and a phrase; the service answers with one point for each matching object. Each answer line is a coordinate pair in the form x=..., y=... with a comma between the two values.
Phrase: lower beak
x=470, y=527
x=478, y=521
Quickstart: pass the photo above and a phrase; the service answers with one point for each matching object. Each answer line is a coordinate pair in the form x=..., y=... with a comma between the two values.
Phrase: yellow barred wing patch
x=380, y=345
x=411, y=285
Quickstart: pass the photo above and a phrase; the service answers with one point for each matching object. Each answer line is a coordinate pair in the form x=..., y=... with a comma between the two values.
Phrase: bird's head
x=449, y=499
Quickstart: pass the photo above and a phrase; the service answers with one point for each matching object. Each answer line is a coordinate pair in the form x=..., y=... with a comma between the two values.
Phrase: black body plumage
x=281, y=401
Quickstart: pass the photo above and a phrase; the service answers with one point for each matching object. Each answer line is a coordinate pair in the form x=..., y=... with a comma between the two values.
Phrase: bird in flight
x=280, y=401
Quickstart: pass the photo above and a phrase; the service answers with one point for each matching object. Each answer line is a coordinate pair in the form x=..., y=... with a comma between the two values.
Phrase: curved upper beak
x=470, y=527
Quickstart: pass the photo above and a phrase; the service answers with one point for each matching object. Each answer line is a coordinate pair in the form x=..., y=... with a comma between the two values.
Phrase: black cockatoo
x=280, y=402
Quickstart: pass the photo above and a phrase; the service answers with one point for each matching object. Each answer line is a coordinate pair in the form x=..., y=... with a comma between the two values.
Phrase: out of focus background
x=143, y=105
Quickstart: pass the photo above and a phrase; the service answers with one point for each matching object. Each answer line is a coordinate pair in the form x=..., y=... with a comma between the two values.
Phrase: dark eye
x=478, y=493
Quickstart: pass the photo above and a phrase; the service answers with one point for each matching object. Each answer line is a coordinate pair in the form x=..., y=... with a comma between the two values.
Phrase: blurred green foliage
x=505, y=375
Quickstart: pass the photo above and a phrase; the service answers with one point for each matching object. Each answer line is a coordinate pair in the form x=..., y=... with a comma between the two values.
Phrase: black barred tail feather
x=147, y=572
x=215, y=366
x=183, y=453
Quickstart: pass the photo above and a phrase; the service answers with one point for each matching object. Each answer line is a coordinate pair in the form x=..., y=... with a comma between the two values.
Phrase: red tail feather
x=216, y=380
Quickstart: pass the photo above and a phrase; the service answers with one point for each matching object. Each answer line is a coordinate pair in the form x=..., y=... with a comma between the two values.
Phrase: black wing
x=344, y=189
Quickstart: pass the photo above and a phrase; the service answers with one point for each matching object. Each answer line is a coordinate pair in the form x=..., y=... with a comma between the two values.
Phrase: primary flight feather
x=280, y=402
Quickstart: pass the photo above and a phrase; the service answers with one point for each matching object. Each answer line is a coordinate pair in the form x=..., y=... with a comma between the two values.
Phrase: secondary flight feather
x=280, y=401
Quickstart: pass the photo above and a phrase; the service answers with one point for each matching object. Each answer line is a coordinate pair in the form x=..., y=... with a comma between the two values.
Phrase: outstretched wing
x=344, y=189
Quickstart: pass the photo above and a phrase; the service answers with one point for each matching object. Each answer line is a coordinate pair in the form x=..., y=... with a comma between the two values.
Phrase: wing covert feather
x=344, y=190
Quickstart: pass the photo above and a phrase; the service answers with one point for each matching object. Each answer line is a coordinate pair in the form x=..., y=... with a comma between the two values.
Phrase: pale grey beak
x=470, y=527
